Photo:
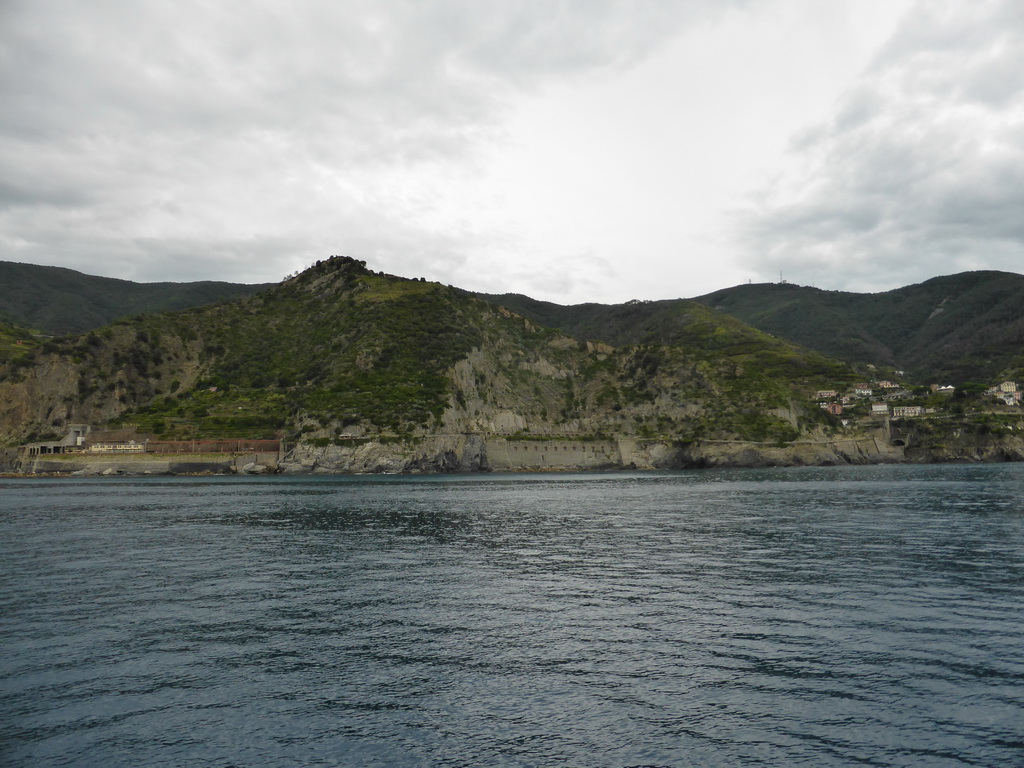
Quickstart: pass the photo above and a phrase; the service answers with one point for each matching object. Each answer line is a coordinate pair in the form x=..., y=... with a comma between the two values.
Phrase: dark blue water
x=831, y=616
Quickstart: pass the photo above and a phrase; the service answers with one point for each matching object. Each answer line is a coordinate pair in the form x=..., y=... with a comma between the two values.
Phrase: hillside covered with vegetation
x=60, y=301
x=365, y=371
x=683, y=324
x=16, y=342
x=953, y=329
x=341, y=353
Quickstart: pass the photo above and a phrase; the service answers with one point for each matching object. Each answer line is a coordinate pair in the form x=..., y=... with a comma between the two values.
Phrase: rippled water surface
x=827, y=616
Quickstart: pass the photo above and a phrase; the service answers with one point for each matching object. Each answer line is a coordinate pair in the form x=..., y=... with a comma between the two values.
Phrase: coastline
x=478, y=453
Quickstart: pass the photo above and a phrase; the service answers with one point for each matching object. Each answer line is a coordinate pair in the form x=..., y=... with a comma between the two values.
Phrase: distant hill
x=957, y=328
x=674, y=322
x=951, y=329
x=61, y=301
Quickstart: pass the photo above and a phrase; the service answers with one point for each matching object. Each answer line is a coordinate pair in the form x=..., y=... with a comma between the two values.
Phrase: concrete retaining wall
x=505, y=454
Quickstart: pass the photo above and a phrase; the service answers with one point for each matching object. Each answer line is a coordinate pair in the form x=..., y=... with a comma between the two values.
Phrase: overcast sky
x=588, y=150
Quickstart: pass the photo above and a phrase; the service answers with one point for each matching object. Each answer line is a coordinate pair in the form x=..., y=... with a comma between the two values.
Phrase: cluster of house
x=882, y=393
x=1007, y=392
x=77, y=440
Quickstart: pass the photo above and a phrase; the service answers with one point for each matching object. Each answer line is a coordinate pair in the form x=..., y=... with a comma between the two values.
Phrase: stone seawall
x=503, y=454
x=638, y=453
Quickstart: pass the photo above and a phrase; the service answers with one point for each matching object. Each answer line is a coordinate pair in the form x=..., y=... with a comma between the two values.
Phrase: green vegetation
x=206, y=414
x=62, y=301
x=948, y=329
x=336, y=347
x=15, y=342
x=340, y=355
x=703, y=333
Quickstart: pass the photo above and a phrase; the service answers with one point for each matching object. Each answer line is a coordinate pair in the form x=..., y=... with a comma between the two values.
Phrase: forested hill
x=950, y=329
x=425, y=377
x=673, y=322
x=59, y=301
x=342, y=350
x=956, y=328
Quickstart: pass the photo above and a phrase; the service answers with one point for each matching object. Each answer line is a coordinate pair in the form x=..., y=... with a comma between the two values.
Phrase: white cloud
x=921, y=170
x=576, y=150
x=134, y=133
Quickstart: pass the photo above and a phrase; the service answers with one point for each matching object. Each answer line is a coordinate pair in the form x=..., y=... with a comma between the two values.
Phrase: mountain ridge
x=356, y=370
x=950, y=328
x=58, y=300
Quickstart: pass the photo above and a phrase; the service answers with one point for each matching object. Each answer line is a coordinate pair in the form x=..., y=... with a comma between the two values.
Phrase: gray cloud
x=198, y=140
x=921, y=170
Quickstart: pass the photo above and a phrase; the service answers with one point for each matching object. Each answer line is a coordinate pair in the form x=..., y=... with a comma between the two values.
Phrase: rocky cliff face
x=472, y=453
x=966, y=444
x=476, y=453
x=92, y=379
x=450, y=453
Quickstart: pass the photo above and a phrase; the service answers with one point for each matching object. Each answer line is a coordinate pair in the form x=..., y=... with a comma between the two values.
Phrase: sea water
x=861, y=616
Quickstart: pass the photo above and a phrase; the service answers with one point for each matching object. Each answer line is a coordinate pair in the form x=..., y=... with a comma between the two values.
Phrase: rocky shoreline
x=479, y=453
